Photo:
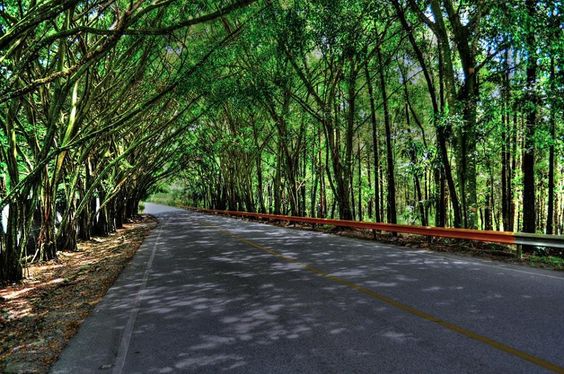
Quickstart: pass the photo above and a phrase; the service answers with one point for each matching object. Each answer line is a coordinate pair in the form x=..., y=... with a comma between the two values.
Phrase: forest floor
x=39, y=315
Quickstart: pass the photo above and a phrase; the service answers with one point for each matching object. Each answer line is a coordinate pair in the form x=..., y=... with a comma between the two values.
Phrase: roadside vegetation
x=39, y=315
x=97, y=101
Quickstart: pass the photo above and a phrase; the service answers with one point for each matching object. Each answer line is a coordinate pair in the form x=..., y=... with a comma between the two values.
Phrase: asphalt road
x=213, y=294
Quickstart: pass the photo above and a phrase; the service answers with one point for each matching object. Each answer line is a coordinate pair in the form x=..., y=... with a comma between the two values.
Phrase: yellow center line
x=406, y=308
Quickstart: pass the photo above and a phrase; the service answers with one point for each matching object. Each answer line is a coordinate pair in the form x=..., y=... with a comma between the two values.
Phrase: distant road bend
x=211, y=294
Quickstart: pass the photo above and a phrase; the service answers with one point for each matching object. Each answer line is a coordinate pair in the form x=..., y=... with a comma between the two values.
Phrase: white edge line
x=128, y=330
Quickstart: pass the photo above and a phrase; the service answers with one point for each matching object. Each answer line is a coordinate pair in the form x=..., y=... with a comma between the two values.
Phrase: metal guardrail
x=502, y=237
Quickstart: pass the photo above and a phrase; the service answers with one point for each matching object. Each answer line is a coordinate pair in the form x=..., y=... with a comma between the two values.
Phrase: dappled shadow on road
x=384, y=265
x=456, y=289
x=229, y=312
x=213, y=304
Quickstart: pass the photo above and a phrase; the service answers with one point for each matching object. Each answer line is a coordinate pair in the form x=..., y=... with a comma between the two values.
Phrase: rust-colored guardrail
x=502, y=237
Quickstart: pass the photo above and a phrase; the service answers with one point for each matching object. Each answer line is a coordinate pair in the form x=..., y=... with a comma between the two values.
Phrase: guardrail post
x=519, y=251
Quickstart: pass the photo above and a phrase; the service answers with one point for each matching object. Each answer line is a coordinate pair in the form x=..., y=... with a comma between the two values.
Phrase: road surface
x=210, y=294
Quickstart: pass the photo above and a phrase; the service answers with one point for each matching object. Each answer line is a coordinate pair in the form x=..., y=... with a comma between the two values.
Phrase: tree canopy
x=431, y=112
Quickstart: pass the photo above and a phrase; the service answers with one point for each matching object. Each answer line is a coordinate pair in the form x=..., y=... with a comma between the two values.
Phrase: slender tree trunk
x=10, y=266
x=506, y=167
x=416, y=177
x=528, y=165
x=447, y=170
x=314, y=186
x=370, y=206
x=277, y=185
x=487, y=218
x=391, y=182
x=440, y=215
x=359, y=198
x=375, y=148
x=260, y=187
x=511, y=194
x=322, y=212
x=550, y=208
x=348, y=165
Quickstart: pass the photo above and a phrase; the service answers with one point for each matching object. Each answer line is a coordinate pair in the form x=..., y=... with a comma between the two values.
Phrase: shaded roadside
x=40, y=314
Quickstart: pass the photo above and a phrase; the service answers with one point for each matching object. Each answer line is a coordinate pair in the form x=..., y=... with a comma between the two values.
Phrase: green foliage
x=267, y=105
x=98, y=103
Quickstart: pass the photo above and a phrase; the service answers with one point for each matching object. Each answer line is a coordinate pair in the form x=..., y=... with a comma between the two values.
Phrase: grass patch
x=554, y=262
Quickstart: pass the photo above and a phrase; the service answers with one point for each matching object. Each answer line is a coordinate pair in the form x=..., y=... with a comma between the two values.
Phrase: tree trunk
x=10, y=266
x=260, y=187
x=375, y=150
x=440, y=214
x=506, y=167
x=277, y=185
x=391, y=190
x=359, y=198
x=528, y=165
x=550, y=208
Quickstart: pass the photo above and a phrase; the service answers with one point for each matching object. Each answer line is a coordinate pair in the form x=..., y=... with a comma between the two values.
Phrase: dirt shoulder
x=39, y=315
